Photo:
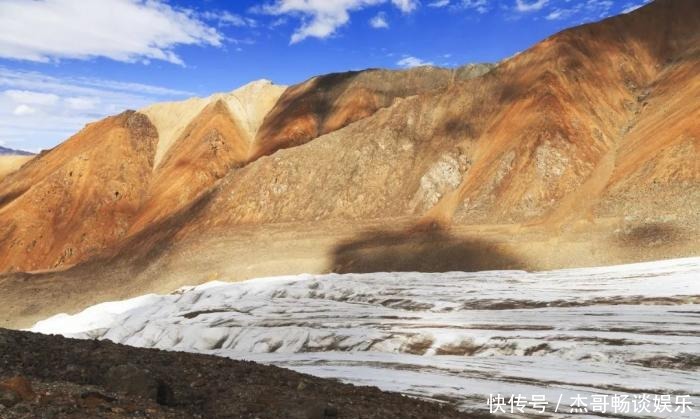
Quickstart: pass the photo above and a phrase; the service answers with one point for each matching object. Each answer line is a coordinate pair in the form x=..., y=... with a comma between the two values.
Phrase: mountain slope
x=68, y=204
x=11, y=160
x=197, y=142
x=541, y=139
x=207, y=149
x=248, y=105
x=582, y=150
x=327, y=103
x=10, y=163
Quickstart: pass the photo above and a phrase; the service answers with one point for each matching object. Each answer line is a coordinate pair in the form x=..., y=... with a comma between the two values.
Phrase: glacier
x=454, y=337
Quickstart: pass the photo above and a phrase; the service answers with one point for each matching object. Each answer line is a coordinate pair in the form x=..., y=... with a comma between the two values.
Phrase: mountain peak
x=248, y=105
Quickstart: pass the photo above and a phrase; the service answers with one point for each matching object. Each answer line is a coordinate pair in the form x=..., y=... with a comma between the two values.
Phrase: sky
x=64, y=63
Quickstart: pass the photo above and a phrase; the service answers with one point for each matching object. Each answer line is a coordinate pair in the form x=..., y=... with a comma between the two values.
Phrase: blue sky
x=64, y=63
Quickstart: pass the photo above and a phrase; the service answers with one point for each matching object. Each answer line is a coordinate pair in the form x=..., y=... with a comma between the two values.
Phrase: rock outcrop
x=70, y=203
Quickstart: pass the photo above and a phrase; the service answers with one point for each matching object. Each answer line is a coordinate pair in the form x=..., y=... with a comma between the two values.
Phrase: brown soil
x=11, y=163
x=75, y=379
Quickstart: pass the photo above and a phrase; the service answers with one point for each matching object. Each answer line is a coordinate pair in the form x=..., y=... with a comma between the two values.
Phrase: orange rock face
x=70, y=203
x=210, y=146
x=597, y=124
x=327, y=103
x=549, y=137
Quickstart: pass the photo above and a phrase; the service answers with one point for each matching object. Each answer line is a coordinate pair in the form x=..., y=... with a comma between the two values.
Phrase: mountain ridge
x=177, y=178
x=582, y=150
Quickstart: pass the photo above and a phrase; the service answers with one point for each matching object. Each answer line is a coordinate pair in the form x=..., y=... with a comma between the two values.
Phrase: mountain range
x=582, y=150
x=4, y=151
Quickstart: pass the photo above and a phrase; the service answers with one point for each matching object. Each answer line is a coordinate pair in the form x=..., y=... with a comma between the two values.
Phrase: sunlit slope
x=589, y=138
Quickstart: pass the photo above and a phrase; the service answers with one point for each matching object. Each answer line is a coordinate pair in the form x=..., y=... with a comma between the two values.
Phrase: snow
x=454, y=336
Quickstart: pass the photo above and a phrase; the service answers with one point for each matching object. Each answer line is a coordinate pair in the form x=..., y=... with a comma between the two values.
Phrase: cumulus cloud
x=410, y=62
x=379, y=21
x=322, y=18
x=406, y=6
x=38, y=111
x=121, y=30
x=22, y=110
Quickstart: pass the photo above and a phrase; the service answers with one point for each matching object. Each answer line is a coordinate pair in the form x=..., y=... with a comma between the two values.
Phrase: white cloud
x=226, y=18
x=22, y=110
x=321, y=18
x=585, y=11
x=379, y=21
x=32, y=98
x=122, y=30
x=38, y=111
x=410, y=62
x=406, y=6
x=439, y=3
x=33, y=82
x=630, y=7
x=530, y=6
x=481, y=6
x=558, y=14
x=82, y=103
x=280, y=21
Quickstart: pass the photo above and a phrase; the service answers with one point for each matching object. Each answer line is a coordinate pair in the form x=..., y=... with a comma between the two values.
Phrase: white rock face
x=251, y=103
x=248, y=105
x=456, y=336
x=444, y=176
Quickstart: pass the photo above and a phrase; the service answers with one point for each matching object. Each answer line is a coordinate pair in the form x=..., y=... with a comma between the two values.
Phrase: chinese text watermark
x=593, y=403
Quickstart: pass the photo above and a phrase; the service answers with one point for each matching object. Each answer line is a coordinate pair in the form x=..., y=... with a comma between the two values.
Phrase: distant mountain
x=125, y=174
x=4, y=151
x=584, y=149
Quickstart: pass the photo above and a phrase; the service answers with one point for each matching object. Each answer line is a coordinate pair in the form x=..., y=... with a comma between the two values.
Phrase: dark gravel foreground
x=54, y=377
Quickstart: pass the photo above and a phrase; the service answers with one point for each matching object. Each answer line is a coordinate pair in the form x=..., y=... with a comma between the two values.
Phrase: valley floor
x=384, y=245
x=627, y=330
x=79, y=379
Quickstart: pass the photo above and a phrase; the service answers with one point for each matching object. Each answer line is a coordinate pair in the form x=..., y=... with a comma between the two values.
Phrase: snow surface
x=456, y=337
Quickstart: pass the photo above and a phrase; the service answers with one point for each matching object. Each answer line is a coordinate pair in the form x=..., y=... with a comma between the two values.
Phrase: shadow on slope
x=130, y=269
x=432, y=250
x=651, y=234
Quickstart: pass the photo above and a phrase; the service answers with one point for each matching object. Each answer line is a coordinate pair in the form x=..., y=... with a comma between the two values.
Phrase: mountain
x=4, y=151
x=11, y=160
x=122, y=175
x=582, y=150
x=79, y=197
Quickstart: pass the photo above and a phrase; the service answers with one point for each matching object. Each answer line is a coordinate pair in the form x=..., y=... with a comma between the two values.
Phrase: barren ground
x=73, y=379
x=285, y=249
